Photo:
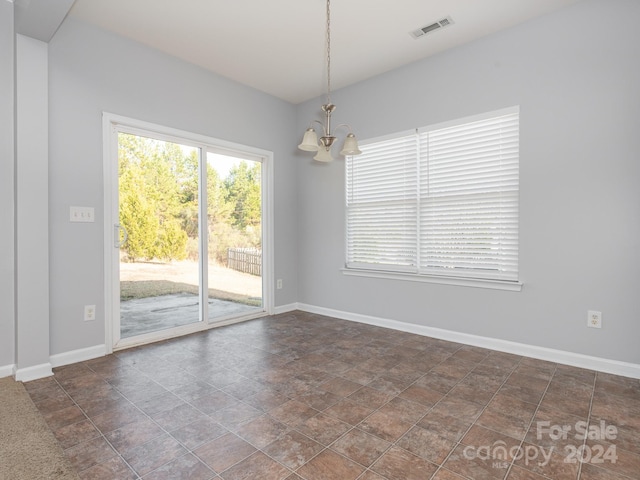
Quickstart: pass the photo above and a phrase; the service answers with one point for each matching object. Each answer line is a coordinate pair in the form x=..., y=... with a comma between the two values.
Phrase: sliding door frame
x=112, y=125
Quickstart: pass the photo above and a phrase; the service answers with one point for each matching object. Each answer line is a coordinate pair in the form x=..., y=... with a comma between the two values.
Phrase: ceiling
x=279, y=47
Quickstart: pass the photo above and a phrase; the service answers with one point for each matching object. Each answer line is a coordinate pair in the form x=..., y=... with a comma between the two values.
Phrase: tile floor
x=302, y=396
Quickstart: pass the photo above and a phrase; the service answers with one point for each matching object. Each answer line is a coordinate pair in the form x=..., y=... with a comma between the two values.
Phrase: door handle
x=117, y=230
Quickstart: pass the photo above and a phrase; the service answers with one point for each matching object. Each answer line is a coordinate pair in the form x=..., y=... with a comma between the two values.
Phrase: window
x=439, y=201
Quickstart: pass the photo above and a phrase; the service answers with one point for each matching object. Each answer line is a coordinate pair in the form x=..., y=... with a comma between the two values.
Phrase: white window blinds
x=442, y=201
x=382, y=194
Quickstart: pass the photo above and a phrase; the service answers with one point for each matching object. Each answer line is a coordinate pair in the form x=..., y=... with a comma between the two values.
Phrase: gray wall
x=7, y=270
x=576, y=76
x=91, y=71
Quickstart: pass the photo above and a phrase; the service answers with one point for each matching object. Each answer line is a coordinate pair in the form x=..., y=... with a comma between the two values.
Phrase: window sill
x=442, y=280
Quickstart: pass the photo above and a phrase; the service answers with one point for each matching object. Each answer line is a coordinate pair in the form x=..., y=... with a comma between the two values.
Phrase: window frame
x=413, y=272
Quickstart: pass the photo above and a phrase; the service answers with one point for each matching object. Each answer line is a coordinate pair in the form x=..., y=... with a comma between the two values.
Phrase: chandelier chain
x=328, y=51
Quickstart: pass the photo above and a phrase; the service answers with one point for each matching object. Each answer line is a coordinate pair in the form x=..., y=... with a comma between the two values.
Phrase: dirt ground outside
x=145, y=279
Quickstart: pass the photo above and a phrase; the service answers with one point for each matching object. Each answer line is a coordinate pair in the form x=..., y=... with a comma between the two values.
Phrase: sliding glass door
x=234, y=231
x=188, y=235
x=159, y=250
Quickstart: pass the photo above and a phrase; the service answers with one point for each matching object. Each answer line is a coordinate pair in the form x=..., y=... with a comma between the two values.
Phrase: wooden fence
x=247, y=260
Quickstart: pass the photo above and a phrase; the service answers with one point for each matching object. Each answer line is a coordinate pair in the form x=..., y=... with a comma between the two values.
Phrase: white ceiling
x=278, y=46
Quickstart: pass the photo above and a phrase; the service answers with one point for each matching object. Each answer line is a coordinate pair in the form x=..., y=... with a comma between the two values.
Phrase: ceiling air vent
x=421, y=32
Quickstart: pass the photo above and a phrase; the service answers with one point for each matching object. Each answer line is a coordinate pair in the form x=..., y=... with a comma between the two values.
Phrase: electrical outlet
x=89, y=312
x=279, y=284
x=594, y=319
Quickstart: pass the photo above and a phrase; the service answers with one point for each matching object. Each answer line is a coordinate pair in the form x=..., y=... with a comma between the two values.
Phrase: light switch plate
x=82, y=214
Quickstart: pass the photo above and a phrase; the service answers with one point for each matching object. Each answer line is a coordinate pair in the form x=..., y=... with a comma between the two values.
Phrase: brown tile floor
x=302, y=396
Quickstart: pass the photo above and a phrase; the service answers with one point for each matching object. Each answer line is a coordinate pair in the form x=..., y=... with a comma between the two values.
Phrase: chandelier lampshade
x=309, y=141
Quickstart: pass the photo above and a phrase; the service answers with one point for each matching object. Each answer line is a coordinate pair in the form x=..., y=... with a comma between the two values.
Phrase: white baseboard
x=542, y=353
x=76, y=356
x=33, y=373
x=45, y=370
x=285, y=308
x=7, y=370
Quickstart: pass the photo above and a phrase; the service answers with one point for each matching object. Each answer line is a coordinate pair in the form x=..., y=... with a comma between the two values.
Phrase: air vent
x=421, y=32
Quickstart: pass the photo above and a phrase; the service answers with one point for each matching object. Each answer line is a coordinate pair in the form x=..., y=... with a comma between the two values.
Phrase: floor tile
x=422, y=395
x=340, y=386
x=113, y=469
x=553, y=428
x=518, y=473
x=71, y=371
x=593, y=472
x=318, y=399
x=54, y=403
x=573, y=398
x=616, y=385
x=186, y=467
x=89, y=453
x=117, y=418
x=75, y=433
x=266, y=400
x=610, y=456
x=329, y=465
x=617, y=410
x=192, y=391
x=233, y=416
x=404, y=410
x=212, y=402
x=46, y=391
x=426, y=444
x=101, y=401
x=514, y=427
x=159, y=403
x=84, y=386
x=293, y=413
x=243, y=388
x=153, y=454
x=436, y=381
x=579, y=374
x=133, y=435
x=500, y=447
x=624, y=437
x=389, y=384
x=361, y=447
x=179, y=416
x=444, y=474
x=508, y=415
x=293, y=449
x=37, y=385
x=551, y=466
x=385, y=426
x=447, y=426
x=466, y=462
x=463, y=410
x=369, y=475
x=324, y=429
x=262, y=431
x=257, y=466
x=349, y=411
x=222, y=378
x=369, y=397
x=398, y=464
x=526, y=388
x=64, y=417
x=224, y=451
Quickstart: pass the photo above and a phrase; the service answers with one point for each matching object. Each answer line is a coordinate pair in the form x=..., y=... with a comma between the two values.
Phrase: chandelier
x=310, y=140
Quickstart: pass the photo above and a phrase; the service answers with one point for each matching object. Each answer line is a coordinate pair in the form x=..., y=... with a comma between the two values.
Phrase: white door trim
x=111, y=125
